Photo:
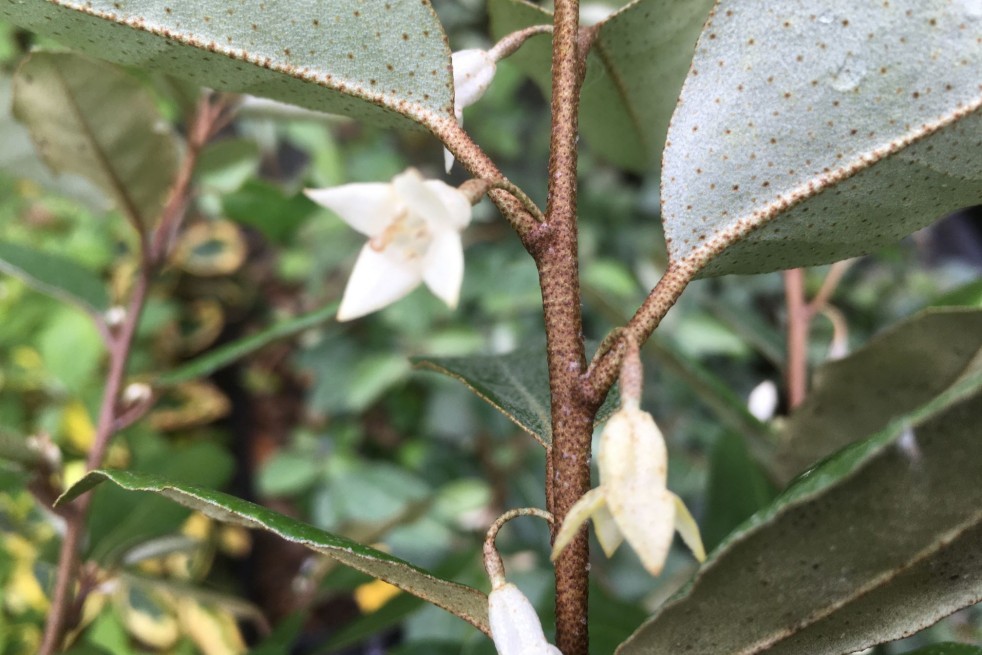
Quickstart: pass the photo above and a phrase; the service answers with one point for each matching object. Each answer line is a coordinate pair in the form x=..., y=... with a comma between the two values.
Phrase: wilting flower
x=413, y=228
x=473, y=71
x=515, y=626
x=633, y=501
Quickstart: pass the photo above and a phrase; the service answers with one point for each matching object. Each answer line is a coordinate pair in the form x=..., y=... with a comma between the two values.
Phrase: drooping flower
x=413, y=228
x=473, y=71
x=515, y=627
x=632, y=501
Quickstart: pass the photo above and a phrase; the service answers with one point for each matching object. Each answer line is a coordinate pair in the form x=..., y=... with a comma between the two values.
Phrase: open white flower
x=515, y=626
x=413, y=228
x=473, y=71
x=633, y=501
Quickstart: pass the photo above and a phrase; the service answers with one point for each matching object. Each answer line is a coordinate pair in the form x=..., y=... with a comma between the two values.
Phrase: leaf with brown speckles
x=382, y=62
x=634, y=74
x=878, y=541
x=811, y=133
x=465, y=602
x=898, y=370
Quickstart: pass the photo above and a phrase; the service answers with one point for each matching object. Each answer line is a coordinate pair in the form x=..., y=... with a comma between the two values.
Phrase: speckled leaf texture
x=902, y=368
x=877, y=542
x=812, y=132
x=372, y=59
x=465, y=602
x=62, y=98
x=634, y=74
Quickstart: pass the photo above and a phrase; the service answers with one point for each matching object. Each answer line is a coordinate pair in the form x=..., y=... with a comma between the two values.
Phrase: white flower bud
x=473, y=71
x=762, y=402
x=515, y=627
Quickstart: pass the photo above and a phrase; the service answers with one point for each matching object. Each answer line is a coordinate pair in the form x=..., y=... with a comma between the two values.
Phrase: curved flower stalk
x=632, y=501
x=413, y=228
x=515, y=627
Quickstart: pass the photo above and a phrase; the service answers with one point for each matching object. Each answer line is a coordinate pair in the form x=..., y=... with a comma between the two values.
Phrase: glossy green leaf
x=736, y=489
x=131, y=155
x=806, y=134
x=465, y=602
x=634, y=73
x=373, y=60
x=516, y=384
x=220, y=357
x=896, y=372
x=55, y=276
x=878, y=541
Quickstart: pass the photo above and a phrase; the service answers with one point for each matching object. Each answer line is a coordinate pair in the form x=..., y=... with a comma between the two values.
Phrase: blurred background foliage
x=334, y=426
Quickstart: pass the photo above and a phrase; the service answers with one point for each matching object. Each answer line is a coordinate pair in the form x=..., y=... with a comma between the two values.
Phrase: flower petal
x=515, y=627
x=605, y=527
x=456, y=205
x=473, y=71
x=688, y=529
x=577, y=515
x=633, y=466
x=376, y=281
x=367, y=207
x=443, y=267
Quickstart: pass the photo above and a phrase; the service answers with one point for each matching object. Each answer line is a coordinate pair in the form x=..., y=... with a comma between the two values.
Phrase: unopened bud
x=515, y=627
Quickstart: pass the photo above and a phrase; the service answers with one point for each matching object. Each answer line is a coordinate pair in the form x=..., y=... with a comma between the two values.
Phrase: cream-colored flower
x=473, y=71
x=633, y=501
x=515, y=627
x=413, y=228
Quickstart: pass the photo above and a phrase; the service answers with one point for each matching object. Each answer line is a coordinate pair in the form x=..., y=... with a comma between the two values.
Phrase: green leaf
x=62, y=98
x=730, y=409
x=736, y=489
x=225, y=355
x=516, y=384
x=896, y=372
x=372, y=60
x=54, y=276
x=264, y=206
x=465, y=602
x=809, y=134
x=878, y=541
x=634, y=73
x=947, y=648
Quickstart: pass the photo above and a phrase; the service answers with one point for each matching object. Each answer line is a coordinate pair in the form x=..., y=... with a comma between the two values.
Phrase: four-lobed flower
x=413, y=228
x=632, y=501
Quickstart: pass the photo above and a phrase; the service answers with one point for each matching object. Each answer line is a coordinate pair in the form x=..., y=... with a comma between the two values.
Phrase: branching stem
x=208, y=118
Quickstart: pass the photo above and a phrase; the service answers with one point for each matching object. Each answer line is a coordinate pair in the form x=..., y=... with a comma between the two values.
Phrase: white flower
x=592, y=13
x=762, y=401
x=473, y=71
x=413, y=228
x=515, y=626
x=632, y=501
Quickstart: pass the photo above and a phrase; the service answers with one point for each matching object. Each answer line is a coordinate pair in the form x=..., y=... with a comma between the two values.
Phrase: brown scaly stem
x=556, y=258
x=153, y=252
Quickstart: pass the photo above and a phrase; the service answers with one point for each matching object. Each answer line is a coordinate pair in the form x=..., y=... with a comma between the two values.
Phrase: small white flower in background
x=763, y=400
x=473, y=71
x=592, y=13
x=515, y=627
x=633, y=501
x=413, y=228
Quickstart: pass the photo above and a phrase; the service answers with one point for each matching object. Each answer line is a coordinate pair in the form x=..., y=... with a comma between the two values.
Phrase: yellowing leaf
x=214, y=632
x=23, y=591
x=77, y=426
